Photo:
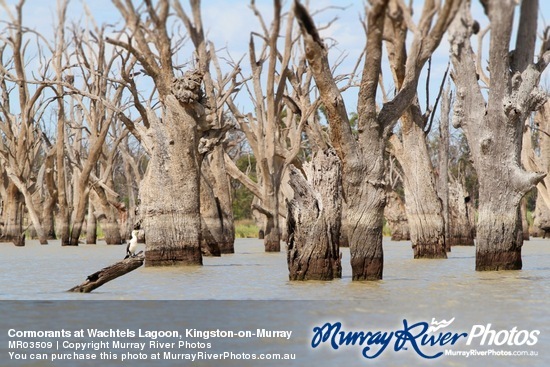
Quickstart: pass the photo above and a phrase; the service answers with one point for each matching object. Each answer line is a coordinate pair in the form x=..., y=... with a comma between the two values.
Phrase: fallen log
x=109, y=273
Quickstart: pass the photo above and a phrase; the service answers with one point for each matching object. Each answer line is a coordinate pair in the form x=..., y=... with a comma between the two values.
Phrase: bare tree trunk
x=211, y=218
x=111, y=230
x=363, y=157
x=313, y=220
x=395, y=215
x=13, y=217
x=215, y=235
x=541, y=220
x=365, y=190
x=423, y=206
x=499, y=231
x=524, y=223
x=107, y=216
x=443, y=182
x=91, y=225
x=173, y=169
x=51, y=199
x=461, y=232
x=494, y=128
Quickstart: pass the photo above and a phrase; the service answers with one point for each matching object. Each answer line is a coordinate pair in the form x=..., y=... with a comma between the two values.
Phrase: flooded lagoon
x=251, y=287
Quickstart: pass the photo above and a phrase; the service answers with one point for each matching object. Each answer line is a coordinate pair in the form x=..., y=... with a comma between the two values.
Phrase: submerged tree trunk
x=524, y=223
x=541, y=220
x=222, y=190
x=214, y=233
x=91, y=225
x=363, y=157
x=313, y=220
x=13, y=216
x=395, y=215
x=211, y=220
x=170, y=192
x=494, y=128
x=424, y=208
x=461, y=232
x=366, y=198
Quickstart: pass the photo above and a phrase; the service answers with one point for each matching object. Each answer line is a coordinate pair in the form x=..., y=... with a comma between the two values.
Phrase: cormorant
x=132, y=245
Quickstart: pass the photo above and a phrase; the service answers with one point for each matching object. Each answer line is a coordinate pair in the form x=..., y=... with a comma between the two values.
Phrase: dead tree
x=363, y=157
x=216, y=201
x=423, y=206
x=20, y=143
x=109, y=273
x=170, y=190
x=461, y=215
x=443, y=157
x=395, y=215
x=313, y=219
x=539, y=129
x=274, y=129
x=90, y=121
x=494, y=124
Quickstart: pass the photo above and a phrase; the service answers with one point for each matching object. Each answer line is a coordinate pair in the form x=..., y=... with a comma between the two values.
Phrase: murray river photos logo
x=428, y=340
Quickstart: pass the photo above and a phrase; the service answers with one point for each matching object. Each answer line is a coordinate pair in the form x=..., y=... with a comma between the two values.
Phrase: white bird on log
x=132, y=245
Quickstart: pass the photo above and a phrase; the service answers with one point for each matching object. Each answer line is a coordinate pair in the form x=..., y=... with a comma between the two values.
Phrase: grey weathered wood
x=395, y=215
x=461, y=223
x=313, y=220
x=494, y=125
x=109, y=273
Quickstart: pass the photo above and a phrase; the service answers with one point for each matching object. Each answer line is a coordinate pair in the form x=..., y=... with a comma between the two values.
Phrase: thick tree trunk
x=461, y=232
x=423, y=206
x=222, y=189
x=107, y=216
x=499, y=233
x=13, y=217
x=494, y=128
x=272, y=234
x=395, y=215
x=314, y=218
x=213, y=231
x=170, y=191
x=366, y=197
x=211, y=219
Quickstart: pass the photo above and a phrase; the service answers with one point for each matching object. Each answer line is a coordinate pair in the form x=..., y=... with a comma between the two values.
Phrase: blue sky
x=229, y=23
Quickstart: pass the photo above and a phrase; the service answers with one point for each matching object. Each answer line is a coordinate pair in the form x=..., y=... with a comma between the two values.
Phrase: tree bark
x=443, y=181
x=395, y=215
x=363, y=157
x=173, y=168
x=91, y=225
x=13, y=216
x=541, y=220
x=109, y=273
x=494, y=128
x=461, y=232
x=313, y=220
x=523, y=216
x=215, y=236
x=423, y=206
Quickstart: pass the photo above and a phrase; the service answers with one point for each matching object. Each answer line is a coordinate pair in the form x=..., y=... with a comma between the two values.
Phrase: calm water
x=416, y=290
